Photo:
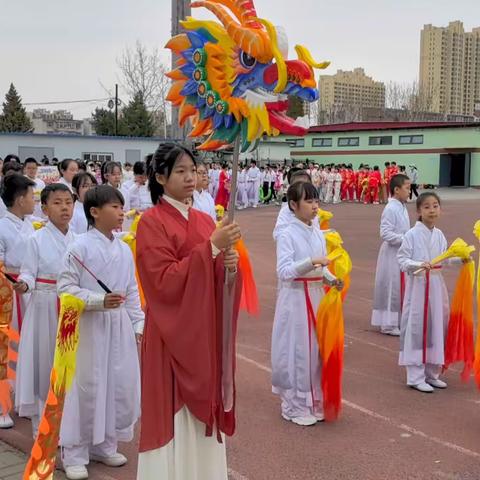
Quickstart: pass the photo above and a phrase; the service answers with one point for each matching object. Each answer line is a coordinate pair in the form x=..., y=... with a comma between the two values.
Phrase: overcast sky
x=60, y=50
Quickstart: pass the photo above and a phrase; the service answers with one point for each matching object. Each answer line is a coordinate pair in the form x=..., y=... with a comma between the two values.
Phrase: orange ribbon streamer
x=249, y=298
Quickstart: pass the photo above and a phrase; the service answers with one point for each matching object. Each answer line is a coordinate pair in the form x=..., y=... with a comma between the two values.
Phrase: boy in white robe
x=242, y=196
x=301, y=258
x=394, y=224
x=38, y=275
x=423, y=354
x=330, y=185
x=202, y=200
x=103, y=404
x=15, y=229
x=253, y=184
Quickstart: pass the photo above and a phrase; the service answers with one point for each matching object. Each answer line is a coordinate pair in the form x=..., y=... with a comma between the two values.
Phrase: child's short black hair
x=53, y=187
x=30, y=160
x=139, y=168
x=98, y=197
x=14, y=186
x=301, y=191
x=397, y=181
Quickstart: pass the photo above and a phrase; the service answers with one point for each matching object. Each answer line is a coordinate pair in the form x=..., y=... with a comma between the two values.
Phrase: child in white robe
x=15, y=229
x=424, y=357
x=394, y=224
x=81, y=183
x=301, y=258
x=38, y=275
x=104, y=402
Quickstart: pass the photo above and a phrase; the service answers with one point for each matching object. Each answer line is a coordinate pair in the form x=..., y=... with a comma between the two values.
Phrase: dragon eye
x=247, y=60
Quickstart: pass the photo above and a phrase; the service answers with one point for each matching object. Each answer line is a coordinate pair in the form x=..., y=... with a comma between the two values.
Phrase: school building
x=89, y=147
x=445, y=153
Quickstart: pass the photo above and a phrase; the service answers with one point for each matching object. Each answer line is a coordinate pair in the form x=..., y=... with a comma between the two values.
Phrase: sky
x=61, y=50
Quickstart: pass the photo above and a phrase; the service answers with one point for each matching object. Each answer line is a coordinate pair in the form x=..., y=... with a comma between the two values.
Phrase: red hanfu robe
x=183, y=353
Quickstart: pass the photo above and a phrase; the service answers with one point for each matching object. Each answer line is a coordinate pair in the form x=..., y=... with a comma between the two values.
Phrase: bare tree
x=409, y=102
x=143, y=71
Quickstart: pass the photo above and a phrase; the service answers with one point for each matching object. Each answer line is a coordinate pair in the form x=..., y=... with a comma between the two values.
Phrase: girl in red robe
x=223, y=194
x=188, y=272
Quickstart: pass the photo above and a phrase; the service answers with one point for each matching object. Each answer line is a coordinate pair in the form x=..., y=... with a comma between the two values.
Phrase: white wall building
x=60, y=146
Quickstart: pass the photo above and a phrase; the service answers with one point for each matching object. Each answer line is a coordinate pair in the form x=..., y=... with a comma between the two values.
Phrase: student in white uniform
x=103, y=404
x=139, y=194
x=38, y=275
x=82, y=183
x=337, y=185
x=330, y=185
x=423, y=356
x=301, y=258
x=30, y=169
x=112, y=175
x=8, y=168
x=15, y=229
x=202, y=200
x=253, y=184
x=394, y=224
x=242, y=196
x=68, y=168
x=215, y=179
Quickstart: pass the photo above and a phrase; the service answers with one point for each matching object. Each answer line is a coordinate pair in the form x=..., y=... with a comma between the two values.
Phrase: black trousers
x=265, y=188
x=413, y=190
x=272, y=188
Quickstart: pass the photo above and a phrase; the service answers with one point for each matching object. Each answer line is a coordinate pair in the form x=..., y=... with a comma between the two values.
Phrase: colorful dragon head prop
x=233, y=78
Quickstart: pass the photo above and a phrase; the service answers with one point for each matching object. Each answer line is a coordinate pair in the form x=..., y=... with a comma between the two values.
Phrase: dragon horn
x=253, y=41
x=244, y=10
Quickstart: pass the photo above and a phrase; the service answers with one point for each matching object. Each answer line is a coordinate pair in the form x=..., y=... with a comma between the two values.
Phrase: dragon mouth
x=281, y=121
x=276, y=106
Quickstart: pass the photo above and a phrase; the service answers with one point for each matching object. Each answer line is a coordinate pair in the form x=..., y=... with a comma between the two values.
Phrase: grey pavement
x=13, y=461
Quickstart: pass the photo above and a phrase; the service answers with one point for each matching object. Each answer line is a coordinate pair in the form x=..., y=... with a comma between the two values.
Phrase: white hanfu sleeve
x=29, y=268
x=69, y=282
x=405, y=254
x=287, y=268
x=132, y=300
x=387, y=228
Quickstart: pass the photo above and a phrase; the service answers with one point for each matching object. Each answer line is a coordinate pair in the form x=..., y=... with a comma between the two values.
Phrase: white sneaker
x=436, y=382
x=394, y=332
x=319, y=416
x=6, y=421
x=423, y=387
x=306, y=421
x=116, y=460
x=76, y=472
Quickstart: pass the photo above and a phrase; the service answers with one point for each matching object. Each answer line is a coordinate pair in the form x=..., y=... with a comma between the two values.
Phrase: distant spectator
x=11, y=167
x=413, y=175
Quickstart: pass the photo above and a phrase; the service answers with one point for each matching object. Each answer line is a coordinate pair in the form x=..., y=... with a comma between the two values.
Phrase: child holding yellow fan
x=301, y=258
x=426, y=306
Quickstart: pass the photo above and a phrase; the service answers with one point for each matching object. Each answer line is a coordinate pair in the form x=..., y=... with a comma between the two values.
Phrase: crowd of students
x=188, y=393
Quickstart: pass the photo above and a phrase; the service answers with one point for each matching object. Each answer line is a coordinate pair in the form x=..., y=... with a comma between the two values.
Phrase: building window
x=384, y=140
x=97, y=157
x=411, y=140
x=322, y=142
x=296, y=142
x=349, y=142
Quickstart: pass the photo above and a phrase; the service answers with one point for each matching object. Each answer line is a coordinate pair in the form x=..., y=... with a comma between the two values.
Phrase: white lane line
x=371, y=344
x=235, y=475
x=378, y=416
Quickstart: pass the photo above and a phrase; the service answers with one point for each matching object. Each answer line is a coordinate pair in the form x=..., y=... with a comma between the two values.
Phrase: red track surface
x=386, y=430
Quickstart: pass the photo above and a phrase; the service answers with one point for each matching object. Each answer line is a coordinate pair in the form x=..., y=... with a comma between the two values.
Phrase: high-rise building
x=450, y=68
x=345, y=95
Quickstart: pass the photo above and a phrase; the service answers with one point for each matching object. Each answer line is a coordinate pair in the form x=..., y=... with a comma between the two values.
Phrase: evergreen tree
x=103, y=121
x=136, y=120
x=296, y=107
x=14, y=116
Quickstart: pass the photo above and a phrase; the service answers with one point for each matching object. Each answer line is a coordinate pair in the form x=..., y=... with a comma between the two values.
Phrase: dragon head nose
x=298, y=72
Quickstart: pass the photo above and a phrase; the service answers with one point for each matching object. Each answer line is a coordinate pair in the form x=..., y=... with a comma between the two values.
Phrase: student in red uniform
x=343, y=187
x=386, y=179
x=187, y=269
x=374, y=182
x=359, y=182
x=350, y=183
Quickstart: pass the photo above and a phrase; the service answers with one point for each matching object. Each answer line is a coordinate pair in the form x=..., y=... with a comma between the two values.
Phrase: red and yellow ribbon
x=41, y=463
